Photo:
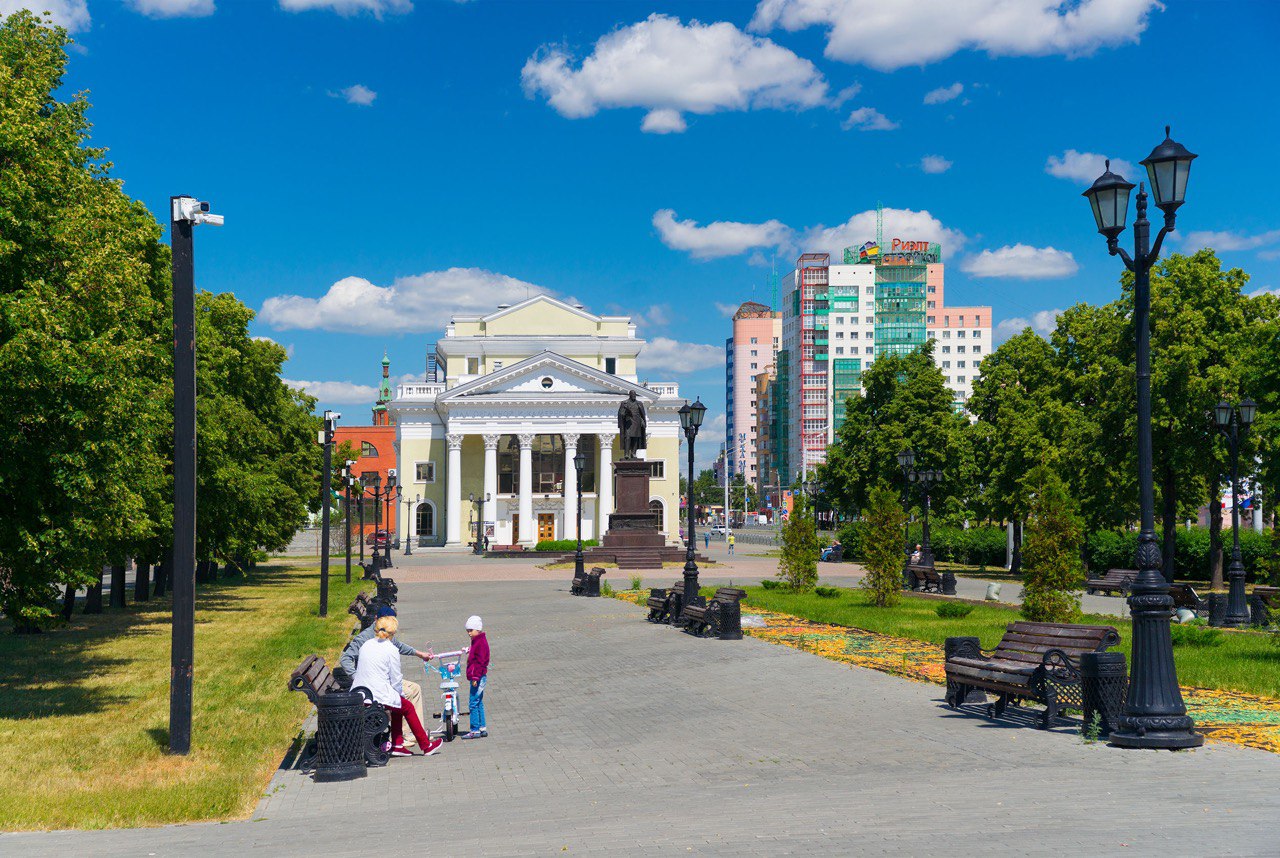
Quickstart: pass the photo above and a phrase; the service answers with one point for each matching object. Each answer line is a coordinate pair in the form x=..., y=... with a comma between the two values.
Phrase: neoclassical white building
x=511, y=398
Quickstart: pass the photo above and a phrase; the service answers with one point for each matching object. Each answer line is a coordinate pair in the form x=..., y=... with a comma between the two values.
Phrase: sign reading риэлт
x=911, y=253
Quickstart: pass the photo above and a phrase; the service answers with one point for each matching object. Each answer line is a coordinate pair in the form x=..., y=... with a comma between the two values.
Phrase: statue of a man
x=632, y=426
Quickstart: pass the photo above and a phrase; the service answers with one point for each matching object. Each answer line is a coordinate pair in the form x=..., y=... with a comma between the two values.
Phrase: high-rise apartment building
x=757, y=334
x=836, y=319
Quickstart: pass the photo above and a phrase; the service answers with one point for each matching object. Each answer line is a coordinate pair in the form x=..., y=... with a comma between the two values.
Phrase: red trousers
x=398, y=716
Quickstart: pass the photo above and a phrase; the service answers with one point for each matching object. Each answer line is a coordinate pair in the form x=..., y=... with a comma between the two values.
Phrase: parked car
x=378, y=539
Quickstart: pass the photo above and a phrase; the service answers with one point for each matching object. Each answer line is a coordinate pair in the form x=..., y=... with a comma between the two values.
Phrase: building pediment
x=544, y=377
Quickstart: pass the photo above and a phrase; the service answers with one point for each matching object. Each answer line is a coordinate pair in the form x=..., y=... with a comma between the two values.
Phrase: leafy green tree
x=82, y=280
x=882, y=546
x=798, y=565
x=1052, y=570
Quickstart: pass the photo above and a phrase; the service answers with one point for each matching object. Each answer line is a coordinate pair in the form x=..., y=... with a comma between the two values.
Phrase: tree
x=1052, y=569
x=798, y=566
x=882, y=546
x=82, y=283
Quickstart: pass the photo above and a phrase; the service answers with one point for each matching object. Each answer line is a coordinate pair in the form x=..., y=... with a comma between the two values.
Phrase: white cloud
x=337, y=392
x=1042, y=322
x=898, y=223
x=356, y=94
x=721, y=238
x=726, y=310
x=1263, y=290
x=868, y=119
x=422, y=302
x=887, y=36
x=663, y=353
x=1022, y=262
x=1226, y=240
x=174, y=8
x=1084, y=167
x=934, y=164
x=670, y=68
x=72, y=14
x=943, y=93
x=377, y=8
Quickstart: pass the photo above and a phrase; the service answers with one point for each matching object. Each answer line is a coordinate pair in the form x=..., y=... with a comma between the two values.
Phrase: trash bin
x=1105, y=682
x=593, y=581
x=1217, y=608
x=948, y=583
x=340, y=736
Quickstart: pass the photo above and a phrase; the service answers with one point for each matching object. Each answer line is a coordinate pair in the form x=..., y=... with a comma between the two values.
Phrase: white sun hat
x=474, y=622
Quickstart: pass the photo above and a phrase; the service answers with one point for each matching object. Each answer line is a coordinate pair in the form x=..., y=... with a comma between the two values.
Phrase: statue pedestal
x=634, y=525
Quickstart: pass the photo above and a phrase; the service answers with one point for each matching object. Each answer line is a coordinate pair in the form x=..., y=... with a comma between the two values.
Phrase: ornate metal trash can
x=340, y=736
x=1217, y=608
x=949, y=647
x=1105, y=680
x=948, y=583
x=728, y=620
x=1259, y=614
x=593, y=581
x=387, y=591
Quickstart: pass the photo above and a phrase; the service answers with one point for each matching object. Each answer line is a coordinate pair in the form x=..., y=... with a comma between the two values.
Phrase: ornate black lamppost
x=1234, y=422
x=579, y=465
x=358, y=488
x=411, y=506
x=690, y=421
x=478, y=503
x=326, y=501
x=389, y=499
x=348, y=483
x=1154, y=714
x=925, y=478
x=906, y=461
x=375, y=557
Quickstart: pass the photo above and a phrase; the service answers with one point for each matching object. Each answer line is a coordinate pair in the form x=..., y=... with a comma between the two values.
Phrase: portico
x=509, y=436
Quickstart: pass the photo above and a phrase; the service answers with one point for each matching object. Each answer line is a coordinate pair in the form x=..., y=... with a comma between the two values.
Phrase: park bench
x=721, y=615
x=924, y=578
x=1185, y=596
x=1263, y=603
x=313, y=678
x=587, y=583
x=663, y=604
x=1033, y=661
x=364, y=610
x=501, y=548
x=835, y=554
x=1115, y=580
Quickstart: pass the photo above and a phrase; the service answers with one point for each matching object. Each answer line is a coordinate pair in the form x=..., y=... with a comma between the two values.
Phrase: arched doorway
x=657, y=506
x=425, y=523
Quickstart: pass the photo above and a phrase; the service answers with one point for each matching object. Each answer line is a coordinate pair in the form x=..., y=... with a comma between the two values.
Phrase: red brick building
x=373, y=449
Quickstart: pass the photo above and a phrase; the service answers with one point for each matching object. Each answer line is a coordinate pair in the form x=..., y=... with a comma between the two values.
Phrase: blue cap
x=386, y=611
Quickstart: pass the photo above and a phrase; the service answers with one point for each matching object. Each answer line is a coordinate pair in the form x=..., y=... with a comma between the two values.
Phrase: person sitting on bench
x=378, y=672
x=347, y=663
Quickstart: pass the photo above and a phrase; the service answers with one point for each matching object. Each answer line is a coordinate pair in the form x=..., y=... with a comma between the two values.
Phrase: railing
x=663, y=388
x=419, y=390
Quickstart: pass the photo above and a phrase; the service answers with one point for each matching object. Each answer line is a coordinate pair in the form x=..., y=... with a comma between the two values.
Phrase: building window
x=977, y=320
x=960, y=349
x=755, y=366
x=946, y=364
x=977, y=334
x=960, y=364
x=962, y=321
x=871, y=290
x=869, y=350
x=839, y=350
x=931, y=320
x=946, y=335
x=933, y=289
x=839, y=335
x=658, y=469
x=426, y=522
x=839, y=320
x=754, y=340
x=425, y=472
x=473, y=366
x=754, y=354
x=977, y=350
x=948, y=379
x=871, y=335
x=960, y=335
x=946, y=350
x=946, y=320
x=932, y=305
x=960, y=379
x=367, y=450
x=547, y=382
x=611, y=365
x=497, y=365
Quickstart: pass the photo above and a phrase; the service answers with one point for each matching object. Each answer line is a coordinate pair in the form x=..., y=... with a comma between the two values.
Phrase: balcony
x=419, y=390
x=663, y=388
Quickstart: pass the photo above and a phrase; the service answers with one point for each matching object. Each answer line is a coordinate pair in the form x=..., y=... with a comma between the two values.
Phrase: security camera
x=391, y=472
x=195, y=211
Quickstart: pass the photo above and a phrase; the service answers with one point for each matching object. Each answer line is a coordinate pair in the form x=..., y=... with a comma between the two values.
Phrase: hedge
x=981, y=546
x=562, y=545
x=1113, y=549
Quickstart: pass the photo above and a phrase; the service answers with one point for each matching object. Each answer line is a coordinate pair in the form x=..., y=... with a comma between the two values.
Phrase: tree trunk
x=1215, y=534
x=162, y=577
x=68, y=602
x=93, y=597
x=142, y=581
x=117, y=586
x=1016, y=564
x=1170, y=498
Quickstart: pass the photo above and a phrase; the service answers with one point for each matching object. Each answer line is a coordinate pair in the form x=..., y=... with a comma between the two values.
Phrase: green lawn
x=84, y=709
x=1243, y=661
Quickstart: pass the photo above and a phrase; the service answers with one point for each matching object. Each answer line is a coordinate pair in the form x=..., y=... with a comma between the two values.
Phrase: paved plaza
x=611, y=735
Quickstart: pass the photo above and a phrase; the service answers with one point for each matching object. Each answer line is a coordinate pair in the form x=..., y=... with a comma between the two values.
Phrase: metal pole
x=386, y=554
x=326, y=501
x=346, y=520
x=690, y=564
x=1154, y=714
x=360, y=511
x=926, y=550
x=577, y=557
x=1237, y=606
x=183, y=570
x=408, y=526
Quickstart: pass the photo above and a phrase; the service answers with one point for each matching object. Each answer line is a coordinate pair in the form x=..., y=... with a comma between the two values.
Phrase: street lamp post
x=906, y=461
x=477, y=548
x=348, y=482
x=410, y=507
x=1154, y=715
x=360, y=514
x=579, y=465
x=184, y=213
x=326, y=501
x=1234, y=422
x=375, y=556
x=690, y=421
x=388, y=499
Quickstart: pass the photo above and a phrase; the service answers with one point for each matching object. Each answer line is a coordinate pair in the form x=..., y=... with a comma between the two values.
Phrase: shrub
x=827, y=592
x=637, y=583
x=1052, y=571
x=561, y=546
x=953, y=610
x=1195, y=635
x=883, y=554
x=1114, y=549
x=770, y=584
x=798, y=565
x=606, y=589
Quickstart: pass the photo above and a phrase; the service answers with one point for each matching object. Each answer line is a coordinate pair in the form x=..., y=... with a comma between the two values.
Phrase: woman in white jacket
x=378, y=671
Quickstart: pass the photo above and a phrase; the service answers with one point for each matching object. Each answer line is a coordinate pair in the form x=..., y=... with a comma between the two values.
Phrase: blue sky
x=379, y=144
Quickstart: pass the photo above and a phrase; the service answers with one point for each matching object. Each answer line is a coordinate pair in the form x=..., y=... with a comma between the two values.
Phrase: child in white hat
x=477, y=675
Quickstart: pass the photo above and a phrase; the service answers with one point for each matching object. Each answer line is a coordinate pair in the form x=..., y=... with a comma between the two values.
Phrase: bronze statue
x=632, y=426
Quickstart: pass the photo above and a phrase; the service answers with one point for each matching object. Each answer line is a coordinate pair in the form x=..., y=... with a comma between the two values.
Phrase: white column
x=453, y=498
x=490, y=509
x=604, y=483
x=570, y=486
x=527, y=529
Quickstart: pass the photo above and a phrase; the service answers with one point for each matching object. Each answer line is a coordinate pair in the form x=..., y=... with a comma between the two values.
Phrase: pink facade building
x=757, y=334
